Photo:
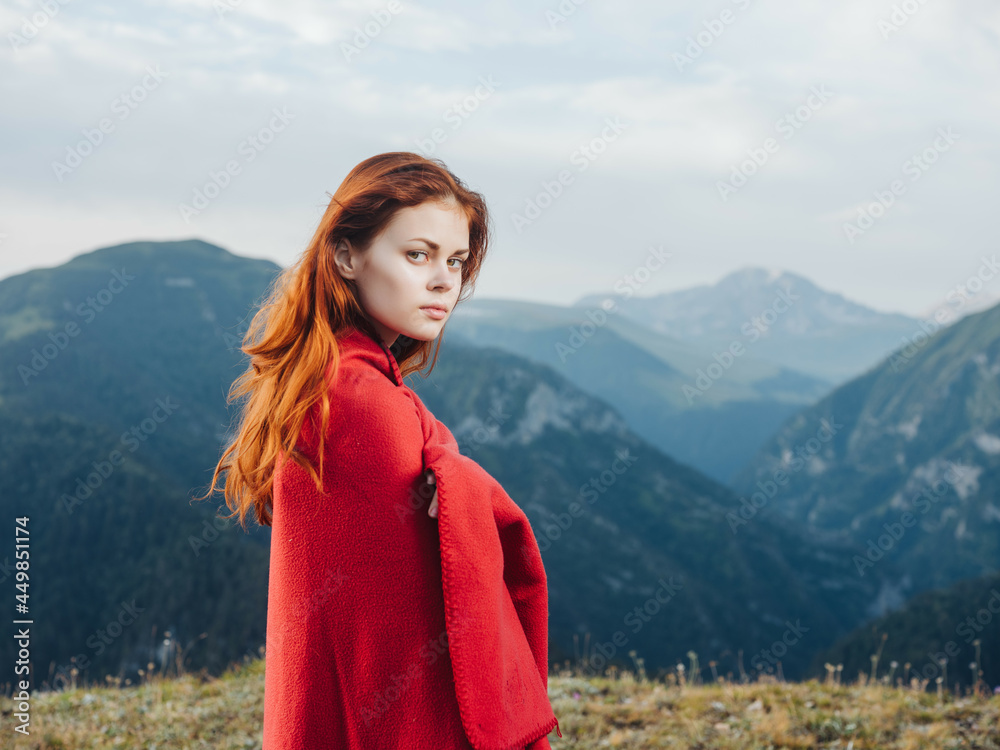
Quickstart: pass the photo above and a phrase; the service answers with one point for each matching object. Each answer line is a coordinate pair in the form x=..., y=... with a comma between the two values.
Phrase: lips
x=435, y=307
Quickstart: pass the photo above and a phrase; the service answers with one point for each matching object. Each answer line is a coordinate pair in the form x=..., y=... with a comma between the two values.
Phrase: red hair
x=293, y=337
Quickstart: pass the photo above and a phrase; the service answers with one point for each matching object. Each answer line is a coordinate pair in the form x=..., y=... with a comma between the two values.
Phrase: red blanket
x=387, y=628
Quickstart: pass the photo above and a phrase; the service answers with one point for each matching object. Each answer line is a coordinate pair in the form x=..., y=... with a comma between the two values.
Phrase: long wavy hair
x=293, y=337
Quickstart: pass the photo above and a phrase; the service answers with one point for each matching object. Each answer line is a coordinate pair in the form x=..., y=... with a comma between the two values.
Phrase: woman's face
x=414, y=264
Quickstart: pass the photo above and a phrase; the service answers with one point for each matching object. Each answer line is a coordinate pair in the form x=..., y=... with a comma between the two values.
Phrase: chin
x=426, y=334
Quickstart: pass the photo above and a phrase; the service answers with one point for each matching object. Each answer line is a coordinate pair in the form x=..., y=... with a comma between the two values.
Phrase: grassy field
x=619, y=711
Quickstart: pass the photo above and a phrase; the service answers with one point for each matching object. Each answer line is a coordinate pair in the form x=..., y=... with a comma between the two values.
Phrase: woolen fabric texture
x=387, y=628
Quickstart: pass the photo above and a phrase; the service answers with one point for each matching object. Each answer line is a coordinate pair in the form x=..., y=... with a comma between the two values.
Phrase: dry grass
x=160, y=714
x=620, y=711
x=629, y=712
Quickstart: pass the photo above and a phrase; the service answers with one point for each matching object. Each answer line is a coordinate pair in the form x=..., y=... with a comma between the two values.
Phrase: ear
x=344, y=260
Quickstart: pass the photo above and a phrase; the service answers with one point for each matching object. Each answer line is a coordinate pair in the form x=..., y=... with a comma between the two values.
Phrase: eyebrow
x=433, y=245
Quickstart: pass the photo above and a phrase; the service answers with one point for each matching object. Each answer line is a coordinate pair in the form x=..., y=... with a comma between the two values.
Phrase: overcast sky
x=849, y=93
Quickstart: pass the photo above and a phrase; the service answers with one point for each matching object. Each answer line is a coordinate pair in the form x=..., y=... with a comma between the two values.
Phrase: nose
x=445, y=277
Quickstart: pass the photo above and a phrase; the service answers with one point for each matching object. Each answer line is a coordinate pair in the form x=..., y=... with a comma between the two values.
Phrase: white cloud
x=656, y=183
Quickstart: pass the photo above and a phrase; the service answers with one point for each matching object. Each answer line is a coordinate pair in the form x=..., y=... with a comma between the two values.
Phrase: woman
x=407, y=603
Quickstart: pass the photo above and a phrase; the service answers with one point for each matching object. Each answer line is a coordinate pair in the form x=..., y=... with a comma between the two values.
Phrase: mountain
x=781, y=318
x=113, y=413
x=620, y=523
x=913, y=473
x=935, y=632
x=123, y=571
x=674, y=394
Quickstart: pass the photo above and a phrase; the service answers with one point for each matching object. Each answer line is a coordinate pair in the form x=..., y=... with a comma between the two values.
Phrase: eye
x=422, y=252
x=460, y=262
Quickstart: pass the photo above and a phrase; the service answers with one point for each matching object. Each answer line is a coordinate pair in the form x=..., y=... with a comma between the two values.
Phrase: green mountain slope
x=912, y=477
x=935, y=632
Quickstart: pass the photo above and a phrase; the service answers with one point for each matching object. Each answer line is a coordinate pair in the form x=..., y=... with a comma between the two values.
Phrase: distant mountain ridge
x=656, y=382
x=797, y=324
